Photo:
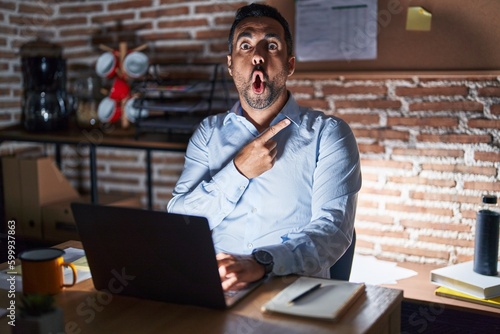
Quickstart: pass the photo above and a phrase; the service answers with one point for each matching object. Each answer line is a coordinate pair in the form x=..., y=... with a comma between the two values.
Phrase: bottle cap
x=489, y=199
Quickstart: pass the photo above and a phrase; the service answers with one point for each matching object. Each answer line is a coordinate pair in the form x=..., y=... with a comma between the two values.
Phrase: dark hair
x=260, y=10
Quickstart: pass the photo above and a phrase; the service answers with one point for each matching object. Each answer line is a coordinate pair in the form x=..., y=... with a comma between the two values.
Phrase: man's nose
x=257, y=56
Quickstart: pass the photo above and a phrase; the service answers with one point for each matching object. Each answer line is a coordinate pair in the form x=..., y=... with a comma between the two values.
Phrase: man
x=277, y=182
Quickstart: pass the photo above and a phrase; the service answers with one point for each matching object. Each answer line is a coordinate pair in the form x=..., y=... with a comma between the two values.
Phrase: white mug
x=135, y=64
x=132, y=112
x=109, y=110
x=106, y=65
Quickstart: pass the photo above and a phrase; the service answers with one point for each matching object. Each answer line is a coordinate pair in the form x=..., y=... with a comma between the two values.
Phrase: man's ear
x=291, y=65
x=229, y=65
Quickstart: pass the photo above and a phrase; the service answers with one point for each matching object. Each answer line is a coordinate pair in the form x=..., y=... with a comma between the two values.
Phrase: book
x=328, y=301
x=461, y=277
x=450, y=293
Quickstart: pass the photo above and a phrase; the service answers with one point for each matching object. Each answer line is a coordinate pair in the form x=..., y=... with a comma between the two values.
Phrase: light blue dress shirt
x=302, y=210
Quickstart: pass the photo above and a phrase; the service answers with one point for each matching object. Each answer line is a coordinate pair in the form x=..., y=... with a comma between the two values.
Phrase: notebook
x=316, y=298
x=152, y=255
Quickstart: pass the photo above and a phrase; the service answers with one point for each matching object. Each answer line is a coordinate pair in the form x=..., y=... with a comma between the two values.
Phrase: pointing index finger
x=274, y=129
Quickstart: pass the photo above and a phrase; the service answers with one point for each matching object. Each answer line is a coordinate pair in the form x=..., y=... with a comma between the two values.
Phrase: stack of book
x=461, y=282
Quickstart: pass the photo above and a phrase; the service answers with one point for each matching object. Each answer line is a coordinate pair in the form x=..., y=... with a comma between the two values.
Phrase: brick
x=8, y=30
x=483, y=123
x=183, y=23
x=379, y=233
x=367, y=176
x=463, y=258
x=122, y=181
x=354, y=90
x=441, y=240
x=432, y=91
x=381, y=192
x=482, y=186
x=487, y=156
x=365, y=119
x=169, y=2
x=176, y=11
x=489, y=92
x=471, y=106
x=436, y=254
x=111, y=18
x=301, y=89
x=10, y=104
x=224, y=20
x=371, y=148
x=69, y=21
x=381, y=219
x=430, y=225
x=317, y=104
x=212, y=34
x=131, y=4
x=127, y=170
x=387, y=164
x=495, y=109
x=166, y=36
x=419, y=209
x=381, y=134
x=360, y=243
x=81, y=8
x=423, y=121
x=460, y=169
x=367, y=104
x=38, y=7
x=219, y=8
x=428, y=152
x=455, y=138
x=367, y=204
x=7, y=5
x=419, y=180
x=443, y=197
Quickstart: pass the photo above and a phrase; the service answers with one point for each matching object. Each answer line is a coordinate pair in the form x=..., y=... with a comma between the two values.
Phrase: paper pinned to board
x=418, y=19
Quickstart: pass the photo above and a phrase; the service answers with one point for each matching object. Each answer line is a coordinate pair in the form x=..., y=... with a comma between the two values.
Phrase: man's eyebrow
x=248, y=34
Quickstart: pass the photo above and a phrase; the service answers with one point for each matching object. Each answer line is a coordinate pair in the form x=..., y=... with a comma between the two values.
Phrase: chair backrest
x=341, y=270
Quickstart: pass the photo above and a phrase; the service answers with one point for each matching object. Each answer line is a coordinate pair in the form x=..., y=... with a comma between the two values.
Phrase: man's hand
x=237, y=270
x=259, y=155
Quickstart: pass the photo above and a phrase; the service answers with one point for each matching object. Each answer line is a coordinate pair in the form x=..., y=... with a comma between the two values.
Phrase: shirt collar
x=291, y=110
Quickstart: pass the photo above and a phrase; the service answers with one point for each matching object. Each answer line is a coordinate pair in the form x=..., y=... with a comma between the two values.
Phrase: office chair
x=341, y=270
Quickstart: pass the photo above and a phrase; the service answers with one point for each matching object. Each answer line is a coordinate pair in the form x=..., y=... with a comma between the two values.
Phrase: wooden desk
x=424, y=312
x=89, y=311
x=109, y=136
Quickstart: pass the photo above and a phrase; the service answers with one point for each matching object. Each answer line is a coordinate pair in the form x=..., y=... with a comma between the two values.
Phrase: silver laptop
x=153, y=255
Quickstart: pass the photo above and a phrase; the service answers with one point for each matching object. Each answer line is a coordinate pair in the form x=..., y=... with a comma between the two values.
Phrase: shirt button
x=250, y=246
x=254, y=210
x=242, y=187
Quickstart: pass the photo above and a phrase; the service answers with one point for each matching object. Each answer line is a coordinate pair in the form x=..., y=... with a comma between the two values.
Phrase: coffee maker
x=45, y=105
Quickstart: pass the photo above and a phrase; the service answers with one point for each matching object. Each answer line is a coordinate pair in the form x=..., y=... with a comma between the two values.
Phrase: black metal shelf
x=174, y=98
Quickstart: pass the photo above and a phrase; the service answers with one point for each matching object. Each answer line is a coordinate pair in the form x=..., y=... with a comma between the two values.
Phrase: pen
x=305, y=293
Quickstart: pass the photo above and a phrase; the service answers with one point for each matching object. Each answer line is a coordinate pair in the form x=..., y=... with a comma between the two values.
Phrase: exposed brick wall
x=429, y=142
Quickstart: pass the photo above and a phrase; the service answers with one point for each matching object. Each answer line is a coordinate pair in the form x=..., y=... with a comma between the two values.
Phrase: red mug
x=119, y=90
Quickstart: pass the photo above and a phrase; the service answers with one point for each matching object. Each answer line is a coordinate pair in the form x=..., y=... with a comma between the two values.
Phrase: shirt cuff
x=284, y=262
x=231, y=182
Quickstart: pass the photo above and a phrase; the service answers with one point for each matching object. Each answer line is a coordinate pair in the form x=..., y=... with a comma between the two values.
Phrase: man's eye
x=245, y=46
x=273, y=46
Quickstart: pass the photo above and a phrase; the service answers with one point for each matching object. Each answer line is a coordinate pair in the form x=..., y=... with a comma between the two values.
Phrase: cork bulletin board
x=464, y=35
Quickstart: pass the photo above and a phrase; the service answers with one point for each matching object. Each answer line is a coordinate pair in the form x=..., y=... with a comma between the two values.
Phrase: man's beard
x=272, y=92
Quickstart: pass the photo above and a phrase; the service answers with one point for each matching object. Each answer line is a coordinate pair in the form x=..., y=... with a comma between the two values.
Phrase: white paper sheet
x=336, y=29
x=370, y=270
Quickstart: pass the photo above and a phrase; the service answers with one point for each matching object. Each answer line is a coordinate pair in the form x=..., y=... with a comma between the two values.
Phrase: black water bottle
x=486, y=240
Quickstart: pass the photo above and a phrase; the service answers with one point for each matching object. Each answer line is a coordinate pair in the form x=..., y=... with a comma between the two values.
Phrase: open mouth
x=258, y=83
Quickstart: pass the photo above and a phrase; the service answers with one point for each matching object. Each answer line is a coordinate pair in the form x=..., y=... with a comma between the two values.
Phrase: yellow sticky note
x=418, y=19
